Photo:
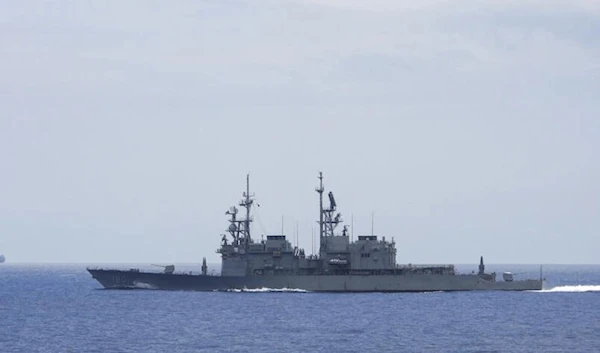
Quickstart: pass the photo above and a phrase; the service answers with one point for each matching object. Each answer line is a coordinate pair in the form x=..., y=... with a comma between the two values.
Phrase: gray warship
x=367, y=264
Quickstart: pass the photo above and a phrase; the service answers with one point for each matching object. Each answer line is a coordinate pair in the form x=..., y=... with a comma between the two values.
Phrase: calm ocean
x=60, y=308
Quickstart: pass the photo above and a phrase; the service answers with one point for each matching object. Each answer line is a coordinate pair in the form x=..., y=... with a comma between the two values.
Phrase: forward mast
x=239, y=229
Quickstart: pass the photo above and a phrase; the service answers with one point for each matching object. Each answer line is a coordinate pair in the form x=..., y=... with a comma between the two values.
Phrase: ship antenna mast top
x=247, y=203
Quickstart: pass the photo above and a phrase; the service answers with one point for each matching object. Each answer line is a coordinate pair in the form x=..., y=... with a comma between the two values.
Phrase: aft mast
x=327, y=221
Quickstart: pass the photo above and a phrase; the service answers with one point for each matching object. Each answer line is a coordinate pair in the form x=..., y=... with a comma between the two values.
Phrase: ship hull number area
x=121, y=280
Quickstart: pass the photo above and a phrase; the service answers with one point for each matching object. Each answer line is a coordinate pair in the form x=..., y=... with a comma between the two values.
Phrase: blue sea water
x=60, y=308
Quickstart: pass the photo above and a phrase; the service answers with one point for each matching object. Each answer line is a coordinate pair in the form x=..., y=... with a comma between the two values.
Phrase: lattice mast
x=240, y=228
x=327, y=221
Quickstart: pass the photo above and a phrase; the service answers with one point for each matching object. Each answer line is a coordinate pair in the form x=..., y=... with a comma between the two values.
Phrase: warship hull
x=367, y=264
x=119, y=279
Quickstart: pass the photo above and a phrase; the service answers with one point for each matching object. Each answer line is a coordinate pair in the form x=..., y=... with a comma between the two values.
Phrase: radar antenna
x=331, y=221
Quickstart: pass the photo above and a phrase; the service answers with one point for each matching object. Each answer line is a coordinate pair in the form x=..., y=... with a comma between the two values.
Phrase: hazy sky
x=468, y=127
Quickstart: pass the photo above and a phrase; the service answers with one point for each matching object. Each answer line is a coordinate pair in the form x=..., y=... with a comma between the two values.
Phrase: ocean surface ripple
x=60, y=308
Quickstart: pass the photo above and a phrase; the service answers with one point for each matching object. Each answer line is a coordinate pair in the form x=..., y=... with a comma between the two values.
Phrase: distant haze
x=467, y=128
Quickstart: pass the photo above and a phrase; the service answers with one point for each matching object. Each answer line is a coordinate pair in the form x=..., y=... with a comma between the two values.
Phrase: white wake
x=142, y=285
x=268, y=290
x=571, y=289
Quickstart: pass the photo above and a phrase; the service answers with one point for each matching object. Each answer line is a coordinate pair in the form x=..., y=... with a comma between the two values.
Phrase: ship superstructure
x=337, y=254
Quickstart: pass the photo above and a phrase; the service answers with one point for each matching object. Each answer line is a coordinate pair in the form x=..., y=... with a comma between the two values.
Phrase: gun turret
x=168, y=269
